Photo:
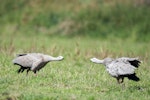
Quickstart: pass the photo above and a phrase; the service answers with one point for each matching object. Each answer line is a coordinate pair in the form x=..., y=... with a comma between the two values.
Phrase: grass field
x=74, y=78
x=78, y=30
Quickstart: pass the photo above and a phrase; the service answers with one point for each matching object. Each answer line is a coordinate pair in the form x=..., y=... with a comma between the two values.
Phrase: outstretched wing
x=133, y=61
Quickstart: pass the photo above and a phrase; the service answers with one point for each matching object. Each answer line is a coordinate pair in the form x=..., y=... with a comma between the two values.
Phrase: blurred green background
x=105, y=19
x=78, y=30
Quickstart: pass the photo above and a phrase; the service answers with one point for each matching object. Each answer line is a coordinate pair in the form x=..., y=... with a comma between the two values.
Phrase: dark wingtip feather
x=133, y=77
x=21, y=54
x=135, y=63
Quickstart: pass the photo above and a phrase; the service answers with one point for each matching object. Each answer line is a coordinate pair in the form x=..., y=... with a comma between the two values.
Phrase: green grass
x=77, y=30
x=74, y=78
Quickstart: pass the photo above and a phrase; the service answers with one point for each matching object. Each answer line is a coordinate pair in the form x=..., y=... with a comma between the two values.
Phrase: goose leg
x=19, y=70
x=22, y=70
x=28, y=70
x=35, y=73
x=120, y=80
x=123, y=84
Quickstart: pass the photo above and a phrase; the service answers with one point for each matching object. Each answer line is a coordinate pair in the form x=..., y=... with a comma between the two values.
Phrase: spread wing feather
x=133, y=61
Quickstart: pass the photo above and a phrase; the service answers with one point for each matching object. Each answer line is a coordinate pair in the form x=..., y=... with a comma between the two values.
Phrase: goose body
x=33, y=61
x=120, y=67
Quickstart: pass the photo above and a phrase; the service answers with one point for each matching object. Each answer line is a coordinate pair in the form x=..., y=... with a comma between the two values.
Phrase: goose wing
x=120, y=68
x=133, y=61
x=24, y=60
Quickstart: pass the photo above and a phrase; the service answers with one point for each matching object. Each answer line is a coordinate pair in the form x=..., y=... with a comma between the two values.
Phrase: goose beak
x=61, y=57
